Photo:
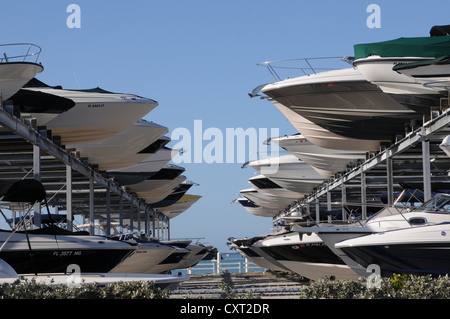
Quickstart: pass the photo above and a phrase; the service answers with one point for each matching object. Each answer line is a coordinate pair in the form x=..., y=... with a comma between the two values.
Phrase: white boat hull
x=325, y=161
x=122, y=149
x=324, y=138
x=95, y=116
x=15, y=75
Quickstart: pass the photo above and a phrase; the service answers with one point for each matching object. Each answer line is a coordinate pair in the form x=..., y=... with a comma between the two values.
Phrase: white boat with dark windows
x=96, y=114
x=51, y=249
x=433, y=212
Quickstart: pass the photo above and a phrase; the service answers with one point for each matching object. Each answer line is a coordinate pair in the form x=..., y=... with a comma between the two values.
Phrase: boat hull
x=419, y=250
x=14, y=75
x=53, y=253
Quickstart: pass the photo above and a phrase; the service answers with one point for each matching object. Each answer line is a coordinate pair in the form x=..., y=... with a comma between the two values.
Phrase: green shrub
x=395, y=287
x=30, y=289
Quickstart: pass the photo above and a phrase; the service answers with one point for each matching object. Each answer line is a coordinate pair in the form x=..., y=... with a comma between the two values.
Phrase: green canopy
x=405, y=47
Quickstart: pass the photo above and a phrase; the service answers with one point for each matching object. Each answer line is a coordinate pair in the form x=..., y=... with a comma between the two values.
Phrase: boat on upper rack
x=18, y=65
x=126, y=148
x=267, y=199
x=400, y=68
x=325, y=161
x=290, y=173
x=180, y=206
x=139, y=172
x=90, y=115
x=322, y=137
x=255, y=209
x=345, y=103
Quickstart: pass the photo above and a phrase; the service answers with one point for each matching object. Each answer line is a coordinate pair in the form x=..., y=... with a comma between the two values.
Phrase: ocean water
x=232, y=262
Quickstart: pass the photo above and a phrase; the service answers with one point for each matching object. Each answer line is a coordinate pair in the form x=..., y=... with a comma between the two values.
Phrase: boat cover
x=439, y=61
x=405, y=47
x=440, y=30
x=26, y=191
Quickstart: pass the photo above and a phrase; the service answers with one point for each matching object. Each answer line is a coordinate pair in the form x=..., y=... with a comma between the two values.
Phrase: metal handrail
x=309, y=69
x=32, y=53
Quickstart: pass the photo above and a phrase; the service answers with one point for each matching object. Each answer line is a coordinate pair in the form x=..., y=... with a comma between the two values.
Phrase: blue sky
x=198, y=60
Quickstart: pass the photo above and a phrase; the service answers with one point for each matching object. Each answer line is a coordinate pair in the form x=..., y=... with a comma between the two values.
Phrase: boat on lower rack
x=52, y=249
x=8, y=276
x=306, y=255
x=415, y=250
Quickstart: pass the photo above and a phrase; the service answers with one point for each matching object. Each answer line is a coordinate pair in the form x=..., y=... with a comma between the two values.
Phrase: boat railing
x=305, y=65
x=19, y=52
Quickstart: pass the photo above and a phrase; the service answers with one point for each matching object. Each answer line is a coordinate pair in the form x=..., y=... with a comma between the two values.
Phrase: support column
x=121, y=211
x=108, y=210
x=363, y=196
x=390, y=181
x=91, y=206
x=328, y=202
x=426, y=170
x=344, y=202
x=37, y=176
x=317, y=210
x=69, y=197
x=131, y=217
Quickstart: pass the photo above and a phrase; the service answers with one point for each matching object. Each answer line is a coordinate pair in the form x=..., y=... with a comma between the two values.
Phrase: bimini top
x=433, y=47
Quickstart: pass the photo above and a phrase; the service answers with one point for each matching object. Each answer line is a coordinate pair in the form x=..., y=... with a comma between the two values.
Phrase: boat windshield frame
x=11, y=53
x=438, y=204
x=304, y=65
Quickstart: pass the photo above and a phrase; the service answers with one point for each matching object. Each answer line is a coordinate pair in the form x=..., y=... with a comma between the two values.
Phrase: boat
x=160, y=184
x=18, y=65
x=255, y=209
x=180, y=206
x=96, y=115
x=148, y=254
x=290, y=173
x=435, y=69
x=390, y=218
x=174, y=196
x=72, y=279
x=325, y=161
x=244, y=247
x=322, y=137
x=172, y=261
x=266, y=199
x=126, y=148
x=145, y=169
x=445, y=145
x=51, y=249
x=345, y=103
x=306, y=255
x=420, y=250
x=385, y=64
x=198, y=251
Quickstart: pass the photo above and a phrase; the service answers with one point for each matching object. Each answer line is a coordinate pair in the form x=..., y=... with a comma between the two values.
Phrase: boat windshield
x=440, y=202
